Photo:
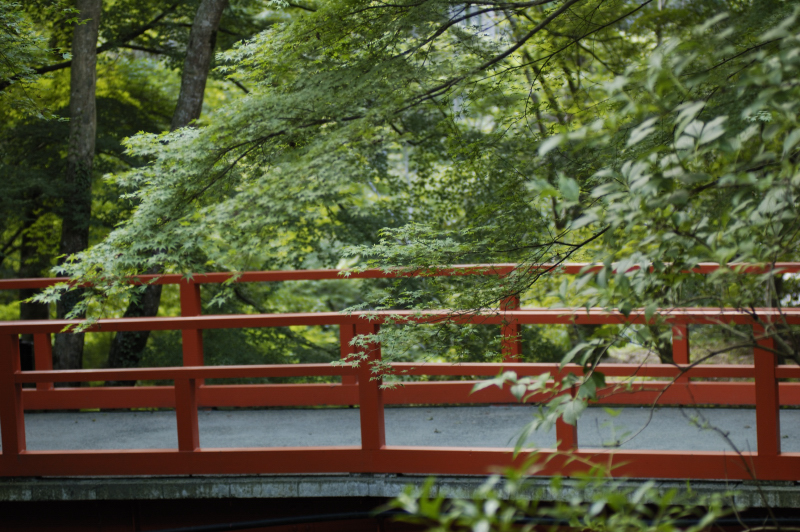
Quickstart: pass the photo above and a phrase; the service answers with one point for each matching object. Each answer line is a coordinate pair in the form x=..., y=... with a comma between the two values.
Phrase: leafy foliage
x=512, y=502
x=21, y=49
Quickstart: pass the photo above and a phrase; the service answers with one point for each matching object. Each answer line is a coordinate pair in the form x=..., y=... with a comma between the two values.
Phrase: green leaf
x=588, y=388
x=650, y=310
x=499, y=381
x=642, y=131
x=549, y=144
x=712, y=130
x=569, y=188
x=573, y=410
x=791, y=141
x=518, y=391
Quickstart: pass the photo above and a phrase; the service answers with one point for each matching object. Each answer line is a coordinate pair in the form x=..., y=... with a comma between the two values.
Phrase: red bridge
x=763, y=384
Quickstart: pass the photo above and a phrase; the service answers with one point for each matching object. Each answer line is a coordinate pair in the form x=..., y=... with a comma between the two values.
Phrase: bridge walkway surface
x=495, y=426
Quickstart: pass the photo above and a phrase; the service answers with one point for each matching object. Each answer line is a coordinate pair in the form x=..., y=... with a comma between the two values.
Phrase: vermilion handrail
x=373, y=455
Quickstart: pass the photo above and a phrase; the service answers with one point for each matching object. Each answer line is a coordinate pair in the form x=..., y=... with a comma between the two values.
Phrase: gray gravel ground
x=479, y=426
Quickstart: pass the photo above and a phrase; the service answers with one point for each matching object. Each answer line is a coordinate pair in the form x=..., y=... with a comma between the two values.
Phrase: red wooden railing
x=373, y=455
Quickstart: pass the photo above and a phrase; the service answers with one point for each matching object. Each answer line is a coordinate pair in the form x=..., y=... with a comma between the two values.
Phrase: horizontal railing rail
x=357, y=387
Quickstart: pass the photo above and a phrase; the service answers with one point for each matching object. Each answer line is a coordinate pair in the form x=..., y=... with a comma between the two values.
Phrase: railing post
x=566, y=434
x=12, y=416
x=680, y=348
x=347, y=332
x=186, y=414
x=43, y=357
x=370, y=395
x=512, y=344
x=191, y=305
x=768, y=427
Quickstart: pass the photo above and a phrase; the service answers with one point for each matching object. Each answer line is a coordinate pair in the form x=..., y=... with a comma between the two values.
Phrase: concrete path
x=478, y=426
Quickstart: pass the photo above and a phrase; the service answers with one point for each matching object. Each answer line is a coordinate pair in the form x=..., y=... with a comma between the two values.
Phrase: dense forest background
x=190, y=136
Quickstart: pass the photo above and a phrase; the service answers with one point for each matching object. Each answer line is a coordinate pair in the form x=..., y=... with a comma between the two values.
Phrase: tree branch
x=154, y=51
x=555, y=14
x=9, y=245
x=239, y=84
x=300, y=6
x=440, y=89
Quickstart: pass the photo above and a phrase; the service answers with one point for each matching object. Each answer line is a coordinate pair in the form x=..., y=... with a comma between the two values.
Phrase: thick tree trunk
x=202, y=40
x=68, y=348
x=127, y=347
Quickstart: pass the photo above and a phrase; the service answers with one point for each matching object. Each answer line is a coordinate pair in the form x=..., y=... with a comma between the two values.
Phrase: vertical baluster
x=680, y=348
x=370, y=395
x=512, y=344
x=191, y=305
x=43, y=357
x=566, y=434
x=12, y=418
x=346, y=333
x=186, y=414
x=767, y=400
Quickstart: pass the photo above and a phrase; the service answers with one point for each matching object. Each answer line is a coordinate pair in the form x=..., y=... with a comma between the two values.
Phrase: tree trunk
x=77, y=207
x=127, y=347
x=199, y=52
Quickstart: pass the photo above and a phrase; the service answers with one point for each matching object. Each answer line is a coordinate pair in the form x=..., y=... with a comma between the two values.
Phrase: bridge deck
x=475, y=426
